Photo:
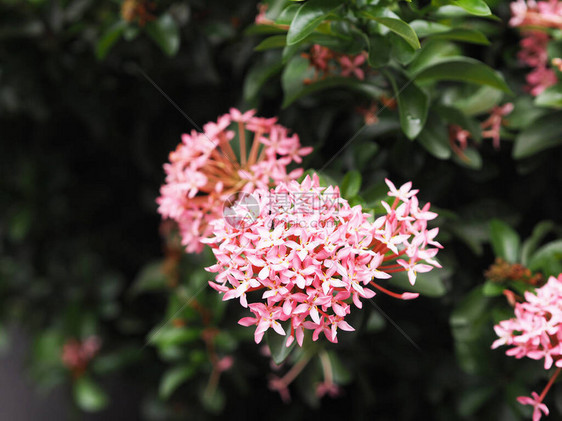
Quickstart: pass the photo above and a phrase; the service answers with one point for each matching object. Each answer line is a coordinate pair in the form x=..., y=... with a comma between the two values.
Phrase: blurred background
x=89, y=98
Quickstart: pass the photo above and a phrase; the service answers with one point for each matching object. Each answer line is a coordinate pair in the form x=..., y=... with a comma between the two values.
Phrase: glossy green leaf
x=433, y=52
x=400, y=50
x=548, y=259
x=435, y=138
x=493, y=289
x=475, y=7
x=173, y=378
x=413, y=106
x=505, y=241
x=463, y=69
x=530, y=245
x=463, y=35
x=165, y=32
x=550, y=97
x=258, y=75
x=88, y=395
x=109, y=38
x=275, y=41
x=398, y=26
x=544, y=133
x=482, y=100
x=308, y=17
x=379, y=51
x=471, y=158
x=351, y=184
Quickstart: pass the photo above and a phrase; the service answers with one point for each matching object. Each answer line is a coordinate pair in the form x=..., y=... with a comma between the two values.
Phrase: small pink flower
x=535, y=401
x=76, y=355
x=352, y=66
x=536, y=332
x=494, y=122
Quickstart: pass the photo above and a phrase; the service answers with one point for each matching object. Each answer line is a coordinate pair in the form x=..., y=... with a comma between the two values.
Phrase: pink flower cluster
x=492, y=125
x=327, y=63
x=537, y=17
x=204, y=169
x=76, y=355
x=309, y=255
x=536, y=332
x=536, y=329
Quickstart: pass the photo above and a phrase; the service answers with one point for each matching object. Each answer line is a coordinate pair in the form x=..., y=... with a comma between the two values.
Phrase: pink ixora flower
x=492, y=125
x=536, y=332
x=76, y=355
x=205, y=169
x=536, y=19
x=538, y=406
x=327, y=62
x=351, y=65
x=309, y=256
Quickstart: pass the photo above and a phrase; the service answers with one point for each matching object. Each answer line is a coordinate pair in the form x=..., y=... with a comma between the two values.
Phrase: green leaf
x=213, y=400
x=505, y=241
x=170, y=336
x=413, y=106
x=550, y=97
x=530, y=245
x=258, y=75
x=544, y=133
x=109, y=38
x=483, y=99
x=400, y=50
x=275, y=41
x=475, y=7
x=548, y=259
x=173, y=378
x=276, y=343
x=398, y=26
x=264, y=30
x=471, y=159
x=435, y=138
x=165, y=32
x=432, y=52
x=463, y=318
x=463, y=35
x=492, y=289
x=379, y=50
x=473, y=399
x=351, y=184
x=429, y=284
x=463, y=69
x=425, y=28
x=150, y=278
x=308, y=17
x=89, y=396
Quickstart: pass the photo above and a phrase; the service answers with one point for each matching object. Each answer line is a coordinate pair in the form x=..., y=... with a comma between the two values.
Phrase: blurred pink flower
x=536, y=18
x=494, y=122
x=351, y=65
x=536, y=332
x=76, y=355
x=538, y=407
